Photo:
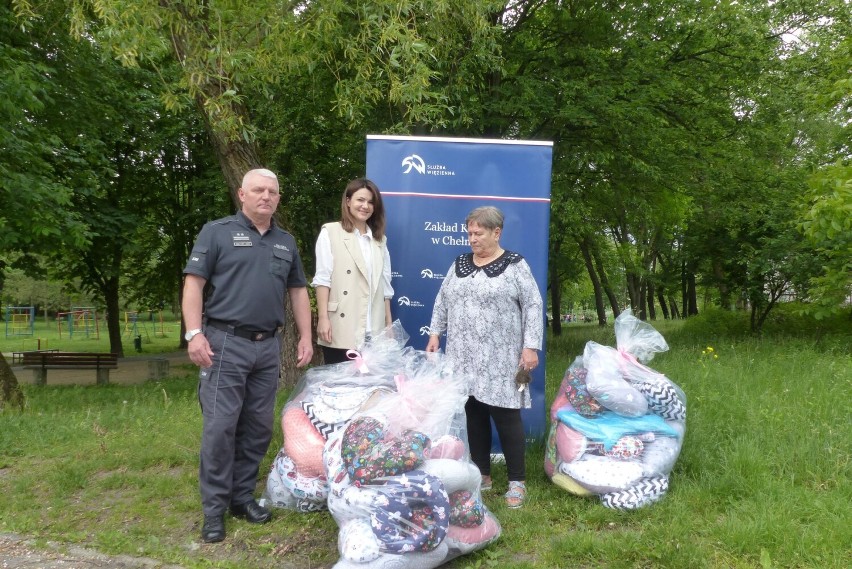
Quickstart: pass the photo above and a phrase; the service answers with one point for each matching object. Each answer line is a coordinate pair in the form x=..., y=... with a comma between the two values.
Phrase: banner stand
x=428, y=186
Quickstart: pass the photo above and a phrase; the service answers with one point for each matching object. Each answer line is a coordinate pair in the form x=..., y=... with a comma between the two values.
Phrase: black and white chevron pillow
x=663, y=398
x=324, y=428
x=646, y=491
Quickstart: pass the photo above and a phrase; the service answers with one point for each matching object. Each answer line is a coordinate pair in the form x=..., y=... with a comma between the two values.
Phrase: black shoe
x=252, y=512
x=213, y=530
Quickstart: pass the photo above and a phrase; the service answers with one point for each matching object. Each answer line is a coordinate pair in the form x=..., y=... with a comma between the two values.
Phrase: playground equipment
x=80, y=319
x=135, y=323
x=155, y=316
x=20, y=321
x=132, y=324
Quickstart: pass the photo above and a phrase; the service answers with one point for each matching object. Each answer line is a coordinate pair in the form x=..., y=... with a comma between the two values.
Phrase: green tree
x=29, y=181
x=176, y=202
x=382, y=53
x=104, y=114
x=826, y=212
x=827, y=225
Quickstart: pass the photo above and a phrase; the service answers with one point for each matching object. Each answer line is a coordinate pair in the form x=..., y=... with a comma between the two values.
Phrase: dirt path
x=19, y=553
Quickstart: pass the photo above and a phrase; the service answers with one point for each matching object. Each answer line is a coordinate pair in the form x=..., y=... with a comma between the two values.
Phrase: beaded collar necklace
x=465, y=266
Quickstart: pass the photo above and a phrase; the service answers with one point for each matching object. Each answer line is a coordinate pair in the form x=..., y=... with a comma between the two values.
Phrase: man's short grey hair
x=487, y=216
x=261, y=172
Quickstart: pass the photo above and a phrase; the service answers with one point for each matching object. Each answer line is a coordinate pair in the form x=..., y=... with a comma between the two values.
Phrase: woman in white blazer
x=353, y=273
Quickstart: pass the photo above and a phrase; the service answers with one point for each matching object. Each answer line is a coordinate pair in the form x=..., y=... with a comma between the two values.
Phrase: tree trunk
x=289, y=345
x=114, y=330
x=610, y=294
x=235, y=158
x=599, y=303
x=633, y=291
x=11, y=395
x=555, y=293
x=690, y=296
x=643, y=296
x=675, y=312
x=652, y=314
x=10, y=392
x=721, y=283
x=556, y=302
x=662, y=300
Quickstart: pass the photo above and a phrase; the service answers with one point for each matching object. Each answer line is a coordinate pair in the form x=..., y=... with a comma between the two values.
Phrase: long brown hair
x=376, y=221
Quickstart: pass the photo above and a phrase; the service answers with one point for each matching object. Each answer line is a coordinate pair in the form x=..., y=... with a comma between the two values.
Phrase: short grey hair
x=487, y=216
x=260, y=172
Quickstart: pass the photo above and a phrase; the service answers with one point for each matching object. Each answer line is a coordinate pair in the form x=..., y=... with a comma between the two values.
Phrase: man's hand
x=199, y=351
x=305, y=351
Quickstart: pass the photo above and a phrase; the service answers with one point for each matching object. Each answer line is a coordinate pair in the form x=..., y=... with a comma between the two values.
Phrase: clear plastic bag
x=322, y=402
x=617, y=426
x=396, y=470
x=403, y=489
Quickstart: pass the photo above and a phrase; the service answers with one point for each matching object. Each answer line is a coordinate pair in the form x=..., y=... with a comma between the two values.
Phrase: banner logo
x=405, y=301
x=414, y=161
x=425, y=330
x=428, y=274
x=421, y=167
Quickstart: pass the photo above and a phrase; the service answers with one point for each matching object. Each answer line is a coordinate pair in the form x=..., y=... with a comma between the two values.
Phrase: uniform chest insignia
x=241, y=239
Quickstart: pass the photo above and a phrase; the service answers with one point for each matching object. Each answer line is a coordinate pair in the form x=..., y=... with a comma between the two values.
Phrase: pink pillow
x=446, y=447
x=477, y=534
x=302, y=442
x=569, y=443
x=560, y=401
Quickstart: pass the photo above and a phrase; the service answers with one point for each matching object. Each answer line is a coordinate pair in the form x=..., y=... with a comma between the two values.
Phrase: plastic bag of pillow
x=402, y=487
x=323, y=401
x=617, y=426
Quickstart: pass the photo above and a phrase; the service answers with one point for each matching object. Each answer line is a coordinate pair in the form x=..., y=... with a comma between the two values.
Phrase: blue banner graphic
x=428, y=186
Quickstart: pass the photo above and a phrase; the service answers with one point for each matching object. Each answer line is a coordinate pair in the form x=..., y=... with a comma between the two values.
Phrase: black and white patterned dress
x=490, y=314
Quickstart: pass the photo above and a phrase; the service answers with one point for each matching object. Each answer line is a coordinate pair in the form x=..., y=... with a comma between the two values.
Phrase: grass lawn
x=158, y=335
x=763, y=479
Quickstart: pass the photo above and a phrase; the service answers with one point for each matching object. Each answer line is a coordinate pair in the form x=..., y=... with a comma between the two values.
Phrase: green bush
x=714, y=324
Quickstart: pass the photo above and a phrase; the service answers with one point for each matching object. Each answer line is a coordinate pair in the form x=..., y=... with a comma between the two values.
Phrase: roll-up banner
x=429, y=185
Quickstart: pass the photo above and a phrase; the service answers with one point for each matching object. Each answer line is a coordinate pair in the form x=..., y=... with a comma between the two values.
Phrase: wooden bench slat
x=80, y=366
x=41, y=361
x=70, y=361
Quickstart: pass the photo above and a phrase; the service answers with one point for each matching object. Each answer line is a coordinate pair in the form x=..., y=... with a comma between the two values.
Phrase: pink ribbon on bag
x=399, y=380
x=633, y=360
x=628, y=356
x=409, y=403
x=359, y=362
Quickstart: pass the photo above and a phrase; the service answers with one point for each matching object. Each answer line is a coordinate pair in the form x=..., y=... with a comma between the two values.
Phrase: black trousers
x=237, y=396
x=333, y=355
x=510, y=430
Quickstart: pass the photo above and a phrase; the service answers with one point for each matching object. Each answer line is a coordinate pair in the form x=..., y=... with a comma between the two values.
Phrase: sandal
x=516, y=494
x=486, y=484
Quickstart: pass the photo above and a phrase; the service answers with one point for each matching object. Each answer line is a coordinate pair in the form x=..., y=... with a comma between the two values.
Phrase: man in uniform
x=233, y=305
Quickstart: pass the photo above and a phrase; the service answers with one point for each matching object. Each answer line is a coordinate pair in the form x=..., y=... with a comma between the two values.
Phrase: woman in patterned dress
x=490, y=307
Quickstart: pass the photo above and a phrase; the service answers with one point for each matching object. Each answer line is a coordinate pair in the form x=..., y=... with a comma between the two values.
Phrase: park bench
x=18, y=357
x=42, y=361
